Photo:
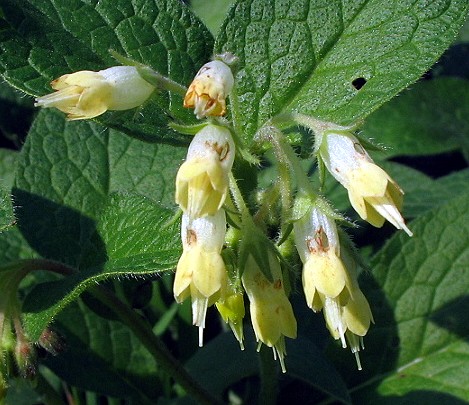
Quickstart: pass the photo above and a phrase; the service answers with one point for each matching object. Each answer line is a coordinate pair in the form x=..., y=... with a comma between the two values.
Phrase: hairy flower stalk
x=209, y=89
x=202, y=180
x=329, y=285
x=271, y=312
x=87, y=94
x=201, y=272
x=373, y=194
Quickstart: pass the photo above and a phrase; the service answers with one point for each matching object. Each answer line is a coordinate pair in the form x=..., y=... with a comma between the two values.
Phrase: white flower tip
x=357, y=359
x=407, y=230
x=201, y=336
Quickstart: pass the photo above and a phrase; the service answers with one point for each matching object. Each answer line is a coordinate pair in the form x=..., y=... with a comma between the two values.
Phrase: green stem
x=162, y=82
x=287, y=157
x=158, y=350
x=25, y=266
x=131, y=319
x=269, y=377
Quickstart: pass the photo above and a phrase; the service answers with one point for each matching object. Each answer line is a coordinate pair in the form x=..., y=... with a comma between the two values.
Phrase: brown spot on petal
x=321, y=239
x=191, y=237
x=278, y=284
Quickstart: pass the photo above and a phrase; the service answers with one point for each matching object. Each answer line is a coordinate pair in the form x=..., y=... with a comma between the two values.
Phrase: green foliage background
x=98, y=196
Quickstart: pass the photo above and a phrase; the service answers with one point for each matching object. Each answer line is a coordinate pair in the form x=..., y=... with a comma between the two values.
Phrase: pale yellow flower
x=324, y=273
x=209, y=89
x=271, y=312
x=201, y=272
x=202, y=180
x=349, y=322
x=373, y=194
x=328, y=284
x=87, y=94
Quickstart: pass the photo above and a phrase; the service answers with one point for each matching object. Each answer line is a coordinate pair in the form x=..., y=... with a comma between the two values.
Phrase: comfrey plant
x=169, y=176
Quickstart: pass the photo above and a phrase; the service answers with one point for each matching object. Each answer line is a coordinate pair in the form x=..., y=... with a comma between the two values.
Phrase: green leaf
x=106, y=356
x=134, y=237
x=42, y=40
x=419, y=343
x=431, y=118
x=66, y=170
x=210, y=14
x=304, y=55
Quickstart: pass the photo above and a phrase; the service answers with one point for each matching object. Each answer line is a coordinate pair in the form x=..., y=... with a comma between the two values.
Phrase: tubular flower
x=328, y=284
x=373, y=194
x=232, y=311
x=201, y=272
x=209, y=89
x=202, y=180
x=271, y=313
x=87, y=94
x=324, y=273
x=349, y=322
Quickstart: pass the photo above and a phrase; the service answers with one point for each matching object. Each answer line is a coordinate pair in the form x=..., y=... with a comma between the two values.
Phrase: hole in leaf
x=358, y=83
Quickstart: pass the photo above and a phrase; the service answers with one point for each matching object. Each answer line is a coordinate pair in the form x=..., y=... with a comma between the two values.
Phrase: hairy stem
x=157, y=349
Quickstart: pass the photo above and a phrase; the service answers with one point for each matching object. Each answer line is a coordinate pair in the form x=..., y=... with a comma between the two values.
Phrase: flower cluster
x=207, y=193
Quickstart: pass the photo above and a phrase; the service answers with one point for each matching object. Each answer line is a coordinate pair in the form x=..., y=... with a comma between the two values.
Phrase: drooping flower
x=87, y=94
x=349, y=322
x=201, y=272
x=209, y=89
x=271, y=312
x=324, y=273
x=373, y=194
x=202, y=180
x=231, y=309
x=330, y=284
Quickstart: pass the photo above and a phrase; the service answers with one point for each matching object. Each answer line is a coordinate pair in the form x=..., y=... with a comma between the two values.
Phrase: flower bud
x=232, y=312
x=202, y=180
x=271, y=312
x=51, y=341
x=25, y=356
x=209, y=89
x=201, y=272
x=373, y=194
x=87, y=94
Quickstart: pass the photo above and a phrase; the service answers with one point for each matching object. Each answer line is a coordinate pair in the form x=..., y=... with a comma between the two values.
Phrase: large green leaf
x=306, y=55
x=66, y=170
x=418, y=349
x=432, y=117
x=42, y=40
x=106, y=356
x=133, y=237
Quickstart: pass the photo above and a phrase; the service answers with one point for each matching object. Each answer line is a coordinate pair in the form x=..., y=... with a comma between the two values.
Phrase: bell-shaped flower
x=271, y=312
x=324, y=273
x=329, y=279
x=209, y=89
x=87, y=94
x=201, y=272
x=202, y=180
x=373, y=194
x=349, y=322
